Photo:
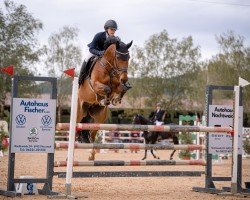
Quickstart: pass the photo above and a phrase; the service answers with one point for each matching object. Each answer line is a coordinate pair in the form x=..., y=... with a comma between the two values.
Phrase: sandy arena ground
x=150, y=188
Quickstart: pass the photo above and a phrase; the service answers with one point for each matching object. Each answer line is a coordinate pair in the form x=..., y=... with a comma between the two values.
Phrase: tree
x=232, y=62
x=165, y=66
x=18, y=44
x=61, y=53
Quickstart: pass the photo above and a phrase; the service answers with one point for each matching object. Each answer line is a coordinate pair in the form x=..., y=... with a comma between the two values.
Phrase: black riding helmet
x=110, y=24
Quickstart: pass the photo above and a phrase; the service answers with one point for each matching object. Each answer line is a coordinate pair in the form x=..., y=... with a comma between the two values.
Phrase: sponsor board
x=221, y=143
x=33, y=125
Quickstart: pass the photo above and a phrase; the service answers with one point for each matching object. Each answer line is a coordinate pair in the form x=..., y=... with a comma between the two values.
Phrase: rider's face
x=111, y=31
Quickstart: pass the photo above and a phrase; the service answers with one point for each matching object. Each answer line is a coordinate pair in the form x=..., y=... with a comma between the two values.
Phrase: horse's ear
x=129, y=44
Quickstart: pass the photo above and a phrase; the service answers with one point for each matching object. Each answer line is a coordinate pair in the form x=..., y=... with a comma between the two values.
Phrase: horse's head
x=122, y=55
x=117, y=56
x=139, y=119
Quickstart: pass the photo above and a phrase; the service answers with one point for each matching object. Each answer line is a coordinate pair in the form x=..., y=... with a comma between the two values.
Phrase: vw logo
x=20, y=119
x=46, y=120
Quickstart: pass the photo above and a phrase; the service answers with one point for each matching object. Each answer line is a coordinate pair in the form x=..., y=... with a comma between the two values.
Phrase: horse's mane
x=121, y=47
x=112, y=40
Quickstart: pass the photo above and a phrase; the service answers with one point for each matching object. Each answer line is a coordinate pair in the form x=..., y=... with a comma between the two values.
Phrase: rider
x=96, y=47
x=158, y=115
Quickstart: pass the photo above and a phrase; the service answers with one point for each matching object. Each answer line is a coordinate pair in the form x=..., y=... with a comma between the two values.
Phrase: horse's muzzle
x=126, y=86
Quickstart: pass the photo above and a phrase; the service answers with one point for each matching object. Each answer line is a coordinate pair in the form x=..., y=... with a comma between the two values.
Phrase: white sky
x=139, y=19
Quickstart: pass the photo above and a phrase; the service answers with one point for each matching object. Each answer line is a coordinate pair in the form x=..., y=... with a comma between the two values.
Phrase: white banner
x=221, y=143
x=33, y=125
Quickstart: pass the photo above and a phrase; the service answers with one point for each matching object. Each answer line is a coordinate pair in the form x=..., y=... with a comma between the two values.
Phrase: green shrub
x=246, y=146
x=185, y=138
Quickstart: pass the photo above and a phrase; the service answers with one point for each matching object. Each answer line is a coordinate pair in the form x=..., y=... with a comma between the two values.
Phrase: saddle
x=87, y=69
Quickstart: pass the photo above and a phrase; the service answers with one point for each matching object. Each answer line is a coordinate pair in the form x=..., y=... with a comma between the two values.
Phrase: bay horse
x=105, y=85
x=153, y=137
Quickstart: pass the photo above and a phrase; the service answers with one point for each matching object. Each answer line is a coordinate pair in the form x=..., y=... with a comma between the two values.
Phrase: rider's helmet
x=110, y=24
x=158, y=104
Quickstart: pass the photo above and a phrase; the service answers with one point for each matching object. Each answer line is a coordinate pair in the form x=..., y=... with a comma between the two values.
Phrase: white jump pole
x=72, y=132
x=235, y=139
x=238, y=119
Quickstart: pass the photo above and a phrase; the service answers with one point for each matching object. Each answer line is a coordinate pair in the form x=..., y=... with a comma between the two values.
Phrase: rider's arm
x=94, y=44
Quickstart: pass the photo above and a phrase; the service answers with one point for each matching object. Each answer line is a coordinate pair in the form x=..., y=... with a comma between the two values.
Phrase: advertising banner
x=33, y=125
x=221, y=143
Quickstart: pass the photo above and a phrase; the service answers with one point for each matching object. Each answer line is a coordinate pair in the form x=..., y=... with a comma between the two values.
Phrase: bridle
x=116, y=71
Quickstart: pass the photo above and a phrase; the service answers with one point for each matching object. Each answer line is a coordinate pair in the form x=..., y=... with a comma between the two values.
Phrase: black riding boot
x=83, y=73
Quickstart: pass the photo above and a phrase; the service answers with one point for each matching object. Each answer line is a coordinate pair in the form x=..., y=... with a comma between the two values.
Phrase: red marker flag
x=70, y=72
x=8, y=70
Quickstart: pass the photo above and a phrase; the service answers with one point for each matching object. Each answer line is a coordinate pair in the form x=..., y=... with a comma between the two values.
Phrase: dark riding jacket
x=96, y=47
x=158, y=115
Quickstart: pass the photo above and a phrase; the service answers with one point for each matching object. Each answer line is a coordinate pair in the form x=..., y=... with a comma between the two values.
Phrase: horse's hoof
x=143, y=158
x=171, y=158
x=115, y=101
x=91, y=158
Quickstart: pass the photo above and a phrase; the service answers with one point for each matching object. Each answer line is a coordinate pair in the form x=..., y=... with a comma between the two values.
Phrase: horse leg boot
x=152, y=152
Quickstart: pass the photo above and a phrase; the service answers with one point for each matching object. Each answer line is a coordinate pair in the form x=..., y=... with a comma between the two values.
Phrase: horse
x=106, y=84
x=153, y=137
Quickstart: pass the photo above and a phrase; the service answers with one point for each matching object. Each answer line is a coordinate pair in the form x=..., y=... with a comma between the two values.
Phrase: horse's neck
x=108, y=62
x=145, y=121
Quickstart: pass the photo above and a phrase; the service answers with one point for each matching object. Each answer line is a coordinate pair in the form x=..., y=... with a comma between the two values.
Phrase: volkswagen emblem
x=46, y=120
x=20, y=119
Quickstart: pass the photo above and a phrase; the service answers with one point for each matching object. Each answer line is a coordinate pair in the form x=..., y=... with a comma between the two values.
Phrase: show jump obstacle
x=48, y=124
x=73, y=126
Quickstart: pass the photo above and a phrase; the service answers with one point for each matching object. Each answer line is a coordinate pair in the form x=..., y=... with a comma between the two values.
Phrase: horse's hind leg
x=82, y=117
x=93, y=152
x=154, y=140
x=176, y=141
x=99, y=114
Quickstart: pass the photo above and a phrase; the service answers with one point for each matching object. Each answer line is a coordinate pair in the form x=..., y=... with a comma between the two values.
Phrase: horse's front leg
x=102, y=90
x=155, y=156
x=172, y=154
x=154, y=140
x=123, y=88
x=145, y=155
